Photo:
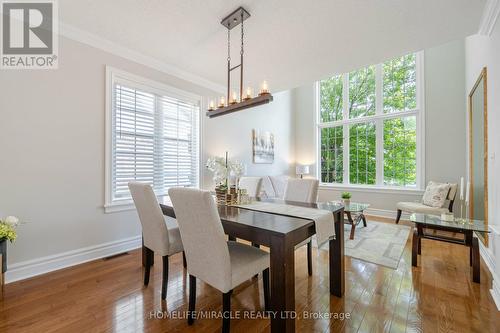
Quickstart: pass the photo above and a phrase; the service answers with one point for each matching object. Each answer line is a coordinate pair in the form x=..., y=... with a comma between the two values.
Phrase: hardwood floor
x=108, y=296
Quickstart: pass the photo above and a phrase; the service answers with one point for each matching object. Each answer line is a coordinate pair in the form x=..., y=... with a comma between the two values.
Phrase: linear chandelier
x=246, y=100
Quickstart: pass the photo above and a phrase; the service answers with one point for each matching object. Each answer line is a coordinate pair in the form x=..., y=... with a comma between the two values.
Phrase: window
x=153, y=137
x=370, y=125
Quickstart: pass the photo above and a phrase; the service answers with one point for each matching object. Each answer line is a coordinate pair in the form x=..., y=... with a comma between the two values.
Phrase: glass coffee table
x=355, y=214
x=467, y=228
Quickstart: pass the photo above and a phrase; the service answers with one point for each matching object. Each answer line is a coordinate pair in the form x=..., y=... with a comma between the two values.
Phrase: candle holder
x=461, y=219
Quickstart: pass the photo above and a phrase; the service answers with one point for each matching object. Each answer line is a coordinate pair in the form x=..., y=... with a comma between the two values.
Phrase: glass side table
x=467, y=228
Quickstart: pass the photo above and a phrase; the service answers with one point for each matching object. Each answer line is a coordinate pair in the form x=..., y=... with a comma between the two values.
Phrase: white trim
x=421, y=120
x=369, y=119
x=30, y=268
x=488, y=259
x=98, y=42
x=390, y=214
x=488, y=19
x=371, y=188
x=495, y=229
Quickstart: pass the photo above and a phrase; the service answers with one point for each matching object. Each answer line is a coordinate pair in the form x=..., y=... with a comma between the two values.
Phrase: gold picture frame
x=482, y=80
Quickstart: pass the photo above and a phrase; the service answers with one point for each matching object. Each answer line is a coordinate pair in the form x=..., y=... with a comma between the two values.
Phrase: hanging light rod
x=231, y=103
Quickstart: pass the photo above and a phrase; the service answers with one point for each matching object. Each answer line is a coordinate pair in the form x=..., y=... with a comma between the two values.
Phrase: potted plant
x=7, y=233
x=346, y=197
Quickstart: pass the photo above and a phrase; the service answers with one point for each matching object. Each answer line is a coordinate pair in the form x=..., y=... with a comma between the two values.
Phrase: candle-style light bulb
x=249, y=93
x=212, y=105
x=264, y=88
x=235, y=98
x=222, y=102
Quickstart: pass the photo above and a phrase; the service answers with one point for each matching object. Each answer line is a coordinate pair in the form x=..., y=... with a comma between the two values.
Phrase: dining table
x=281, y=233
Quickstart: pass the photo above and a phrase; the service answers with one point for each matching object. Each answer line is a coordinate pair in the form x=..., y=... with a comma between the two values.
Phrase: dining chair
x=160, y=234
x=210, y=258
x=303, y=190
x=252, y=185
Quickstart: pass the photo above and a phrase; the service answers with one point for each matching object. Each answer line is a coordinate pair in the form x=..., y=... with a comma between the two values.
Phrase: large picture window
x=153, y=134
x=370, y=125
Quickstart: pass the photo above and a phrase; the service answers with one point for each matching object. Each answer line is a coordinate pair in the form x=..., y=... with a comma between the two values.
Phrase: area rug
x=379, y=243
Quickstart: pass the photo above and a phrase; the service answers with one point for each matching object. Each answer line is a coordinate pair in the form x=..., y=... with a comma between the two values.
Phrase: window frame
x=378, y=119
x=114, y=75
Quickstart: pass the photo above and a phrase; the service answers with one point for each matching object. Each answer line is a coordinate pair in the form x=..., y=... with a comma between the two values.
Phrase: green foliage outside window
x=331, y=103
x=399, y=94
x=362, y=92
x=400, y=151
x=332, y=145
x=362, y=159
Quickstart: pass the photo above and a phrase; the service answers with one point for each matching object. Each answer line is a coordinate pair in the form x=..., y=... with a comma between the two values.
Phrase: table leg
x=351, y=222
x=470, y=256
x=476, y=261
x=336, y=256
x=419, y=245
x=282, y=285
x=414, y=248
x=363, y=217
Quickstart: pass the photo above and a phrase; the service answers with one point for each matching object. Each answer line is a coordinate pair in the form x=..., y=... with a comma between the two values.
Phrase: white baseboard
x=490, y=263
x=391, y=214
x=30, y=268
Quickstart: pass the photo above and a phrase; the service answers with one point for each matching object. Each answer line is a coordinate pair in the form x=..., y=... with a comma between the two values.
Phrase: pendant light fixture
x=232, y=101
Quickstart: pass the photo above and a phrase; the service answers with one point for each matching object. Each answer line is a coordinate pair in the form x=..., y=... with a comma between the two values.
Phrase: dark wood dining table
x=280, y=233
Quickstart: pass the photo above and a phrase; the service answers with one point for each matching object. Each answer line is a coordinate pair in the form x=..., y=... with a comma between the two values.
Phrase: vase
x=3, y=251
x=220, y=194
x=346, y=201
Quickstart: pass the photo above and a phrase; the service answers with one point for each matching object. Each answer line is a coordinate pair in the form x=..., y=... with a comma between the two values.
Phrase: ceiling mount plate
x=234, y=19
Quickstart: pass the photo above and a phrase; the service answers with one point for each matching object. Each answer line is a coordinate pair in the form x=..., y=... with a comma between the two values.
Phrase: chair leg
x=184, y=262
x=192, y=299
x=309, y=258
x=147, y=270
x=399, y=216
x=257, y=246
x=265, y=280
x=165, y=278
x=226, y=311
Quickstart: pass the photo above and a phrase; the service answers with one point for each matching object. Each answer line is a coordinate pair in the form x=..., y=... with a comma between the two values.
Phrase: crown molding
x=106, y=45
x=489, y=17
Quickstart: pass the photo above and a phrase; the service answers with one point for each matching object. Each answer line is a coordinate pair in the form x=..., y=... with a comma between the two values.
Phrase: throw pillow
x=435, y=194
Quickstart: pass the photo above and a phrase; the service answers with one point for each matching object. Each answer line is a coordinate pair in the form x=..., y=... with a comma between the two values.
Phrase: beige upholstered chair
x=160, y=234
x=418, y=207
x=252, y=185
x=303, y=190
x=210, y=258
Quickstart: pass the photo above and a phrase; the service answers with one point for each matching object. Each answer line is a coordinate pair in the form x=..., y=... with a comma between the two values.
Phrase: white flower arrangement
x=223, y=168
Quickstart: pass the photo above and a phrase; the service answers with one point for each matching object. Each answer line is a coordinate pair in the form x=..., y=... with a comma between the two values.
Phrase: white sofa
x=273, y=186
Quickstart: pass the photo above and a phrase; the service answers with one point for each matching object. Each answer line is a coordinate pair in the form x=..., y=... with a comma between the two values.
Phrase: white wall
x=445, y=127
x=233, y=133
x=52, y=154
x=484, y=51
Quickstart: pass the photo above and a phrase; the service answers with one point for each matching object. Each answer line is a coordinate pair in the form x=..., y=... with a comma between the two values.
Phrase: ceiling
x=287, y=42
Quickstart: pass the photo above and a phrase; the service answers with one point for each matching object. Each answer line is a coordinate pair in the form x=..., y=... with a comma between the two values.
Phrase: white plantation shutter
x=154, y=139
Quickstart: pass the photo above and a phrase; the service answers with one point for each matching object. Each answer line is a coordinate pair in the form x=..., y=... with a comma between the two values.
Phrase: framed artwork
x=263, y=147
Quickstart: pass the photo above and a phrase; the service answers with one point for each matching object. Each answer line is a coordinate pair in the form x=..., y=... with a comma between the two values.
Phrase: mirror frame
x=482, y=79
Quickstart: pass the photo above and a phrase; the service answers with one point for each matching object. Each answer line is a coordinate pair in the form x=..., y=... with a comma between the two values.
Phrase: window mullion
x=379, y=123
x=345, y=116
